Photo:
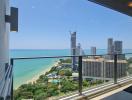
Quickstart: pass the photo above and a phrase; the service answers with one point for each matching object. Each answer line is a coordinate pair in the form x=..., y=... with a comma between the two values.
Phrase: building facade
x=103, y=68
x=110, y=46
x=73, y=50
x=115, y=47
x=93, y=50
x=92, y=68
x=78, y=49
x=118, y=49
x=110, y=49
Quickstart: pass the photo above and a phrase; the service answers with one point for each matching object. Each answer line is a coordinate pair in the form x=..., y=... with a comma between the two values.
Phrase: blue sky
x=45, y=24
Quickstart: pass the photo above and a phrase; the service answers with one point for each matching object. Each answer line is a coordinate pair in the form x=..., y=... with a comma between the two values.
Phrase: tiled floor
x=120, y=96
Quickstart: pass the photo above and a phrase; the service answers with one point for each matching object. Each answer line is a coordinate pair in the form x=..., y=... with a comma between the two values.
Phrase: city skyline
x=37, y=24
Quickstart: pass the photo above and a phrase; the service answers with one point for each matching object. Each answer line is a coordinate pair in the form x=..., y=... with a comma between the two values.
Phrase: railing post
x=80, y=74
x=12, y=63
x=115, y=68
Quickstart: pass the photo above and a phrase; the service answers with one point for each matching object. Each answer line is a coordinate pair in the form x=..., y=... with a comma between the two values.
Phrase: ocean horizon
x=25, y=70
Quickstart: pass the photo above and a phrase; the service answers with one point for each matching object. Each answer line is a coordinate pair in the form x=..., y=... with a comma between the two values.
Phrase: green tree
x=68, y=73
x=61, y=72
x=67, y=86
x=43, y=79
x=41, y=96
x=85, y=83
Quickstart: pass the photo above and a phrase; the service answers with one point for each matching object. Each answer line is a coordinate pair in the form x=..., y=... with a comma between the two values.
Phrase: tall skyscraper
x=78, y=49
x=104, y=66
x=73, y=50
x=93, y=50
x=118, y=47
x=110, y=49
x=114, y=48
x=110, y=46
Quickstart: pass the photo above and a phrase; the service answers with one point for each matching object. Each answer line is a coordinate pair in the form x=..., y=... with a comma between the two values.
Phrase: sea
x=25, y=70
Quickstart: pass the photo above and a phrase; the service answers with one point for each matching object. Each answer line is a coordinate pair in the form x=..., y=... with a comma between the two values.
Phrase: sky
x=46, y=24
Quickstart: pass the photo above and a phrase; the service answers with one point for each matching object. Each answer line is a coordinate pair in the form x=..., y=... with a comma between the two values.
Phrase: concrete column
x=4, y=36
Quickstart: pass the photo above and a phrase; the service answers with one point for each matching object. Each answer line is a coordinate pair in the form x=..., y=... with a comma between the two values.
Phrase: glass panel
x=95, y=71
x=129, y=64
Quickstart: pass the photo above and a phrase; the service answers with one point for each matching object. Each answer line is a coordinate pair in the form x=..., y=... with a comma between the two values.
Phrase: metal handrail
x=44, y=57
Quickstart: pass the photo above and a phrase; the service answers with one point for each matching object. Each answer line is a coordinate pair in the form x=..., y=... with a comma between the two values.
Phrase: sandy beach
x=41, y=73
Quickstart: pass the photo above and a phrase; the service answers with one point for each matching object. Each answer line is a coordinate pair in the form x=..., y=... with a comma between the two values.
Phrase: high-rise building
x=98, y=67
x=118, y=47
x=78, y=49
x=114, y=48
x=110, y=49
x=93, y=50
x=73, y=50
x=110, y=46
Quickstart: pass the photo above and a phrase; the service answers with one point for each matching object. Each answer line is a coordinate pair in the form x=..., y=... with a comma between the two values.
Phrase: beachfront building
x=102, y=68
x=92, y=68
x=109, y=68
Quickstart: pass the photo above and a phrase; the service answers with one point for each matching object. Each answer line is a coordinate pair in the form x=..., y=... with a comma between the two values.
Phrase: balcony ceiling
x=123, y=6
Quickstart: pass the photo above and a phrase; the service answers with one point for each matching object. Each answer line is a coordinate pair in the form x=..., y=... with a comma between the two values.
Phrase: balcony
x=95, y=76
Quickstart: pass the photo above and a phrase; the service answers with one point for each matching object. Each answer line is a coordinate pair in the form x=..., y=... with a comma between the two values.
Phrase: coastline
x=42, y=73
x=34, y=78
x=37, y=76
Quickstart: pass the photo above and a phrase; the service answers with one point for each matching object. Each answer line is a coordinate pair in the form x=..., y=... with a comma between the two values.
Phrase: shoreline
x=34, y=78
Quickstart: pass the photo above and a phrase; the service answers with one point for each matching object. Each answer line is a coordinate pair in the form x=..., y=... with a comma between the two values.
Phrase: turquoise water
x=25, y=70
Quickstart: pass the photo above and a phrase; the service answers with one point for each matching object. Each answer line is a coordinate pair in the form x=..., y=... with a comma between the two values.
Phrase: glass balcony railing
x=52, y=77
x=67, y=75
